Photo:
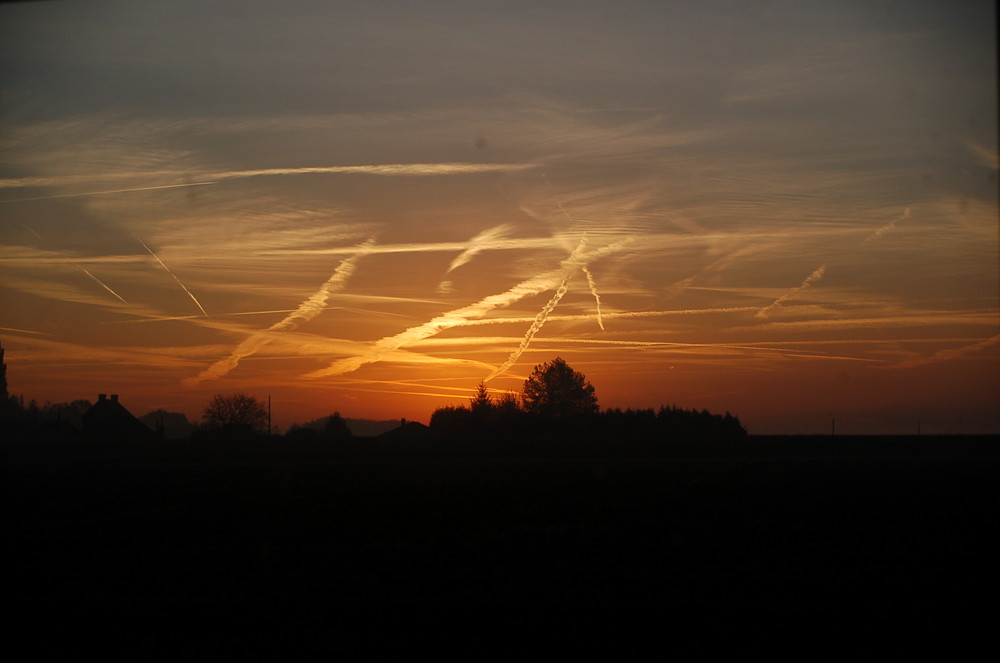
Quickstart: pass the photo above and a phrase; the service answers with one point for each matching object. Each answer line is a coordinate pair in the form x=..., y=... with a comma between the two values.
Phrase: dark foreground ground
x=801, y=546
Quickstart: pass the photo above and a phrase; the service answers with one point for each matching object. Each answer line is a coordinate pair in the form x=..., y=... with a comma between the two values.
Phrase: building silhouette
x=109, y=419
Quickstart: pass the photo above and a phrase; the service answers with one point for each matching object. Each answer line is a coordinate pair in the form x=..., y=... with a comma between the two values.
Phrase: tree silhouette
x=236, y=411
x=482, y=402
x=555, y=390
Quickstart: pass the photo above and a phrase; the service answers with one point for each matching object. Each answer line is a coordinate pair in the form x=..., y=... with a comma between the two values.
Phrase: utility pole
x=833, y=426
x=269, y=415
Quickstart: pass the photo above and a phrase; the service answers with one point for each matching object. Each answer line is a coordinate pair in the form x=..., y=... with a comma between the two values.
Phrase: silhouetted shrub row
x=500, y=421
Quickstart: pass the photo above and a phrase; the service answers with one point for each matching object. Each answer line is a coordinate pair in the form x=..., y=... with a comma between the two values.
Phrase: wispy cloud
x=988, y=156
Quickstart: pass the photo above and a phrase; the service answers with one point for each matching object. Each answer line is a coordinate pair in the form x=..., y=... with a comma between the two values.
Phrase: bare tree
x=237, y=410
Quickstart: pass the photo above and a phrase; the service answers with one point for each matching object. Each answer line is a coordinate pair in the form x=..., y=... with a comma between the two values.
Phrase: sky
x=784, y=210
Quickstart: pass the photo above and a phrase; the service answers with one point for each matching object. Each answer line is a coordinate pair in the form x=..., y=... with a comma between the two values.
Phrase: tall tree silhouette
x=481, y=402
x=555, y=390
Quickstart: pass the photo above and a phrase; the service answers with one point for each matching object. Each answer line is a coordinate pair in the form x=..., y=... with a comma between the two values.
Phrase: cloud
x=988, y=156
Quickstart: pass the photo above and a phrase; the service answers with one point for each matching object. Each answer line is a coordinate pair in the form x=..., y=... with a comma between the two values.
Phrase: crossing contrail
x=812, y=278
x=461, y=316
x=536, y=326
x=306, y=311
x=193, y=298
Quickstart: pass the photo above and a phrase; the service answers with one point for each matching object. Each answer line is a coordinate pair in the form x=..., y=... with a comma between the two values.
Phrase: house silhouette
x=408, y=430
x=109, y=419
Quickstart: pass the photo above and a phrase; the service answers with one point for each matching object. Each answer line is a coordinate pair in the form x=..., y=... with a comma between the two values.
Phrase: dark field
x=175, y=551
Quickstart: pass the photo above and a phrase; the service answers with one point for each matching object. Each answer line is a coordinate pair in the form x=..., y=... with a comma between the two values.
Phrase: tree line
x=555, y=401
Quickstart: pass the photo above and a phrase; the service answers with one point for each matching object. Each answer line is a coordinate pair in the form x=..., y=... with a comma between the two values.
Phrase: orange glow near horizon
x=759, y=241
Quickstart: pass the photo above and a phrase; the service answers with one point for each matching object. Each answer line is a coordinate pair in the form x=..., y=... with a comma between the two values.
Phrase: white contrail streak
x=411, y=169
x=461, y=316
x=99, y=281
x=390, y=169
x=306, y=311
x=887, y=227
x=812, y=278
x=536, y=326
x=99, y=193
x=25, y=331
x=104, y=285
x=193, y=298
x=597, y=296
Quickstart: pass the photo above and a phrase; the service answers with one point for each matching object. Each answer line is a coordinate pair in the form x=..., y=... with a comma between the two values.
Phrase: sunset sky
x=785, y=210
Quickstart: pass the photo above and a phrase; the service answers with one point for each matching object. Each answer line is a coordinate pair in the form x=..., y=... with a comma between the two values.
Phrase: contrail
x=479, y=243
x=463, y=315
x=103, y=285
x=411, y=169
x=390, y=169
x=812, y=278
x=193, y=298
x=78, y=266
x=887, y=227
x=98, y=193
x=950, y=353
x=597, y=296
x=306, y=311
x=536, y=326
x=25, y=331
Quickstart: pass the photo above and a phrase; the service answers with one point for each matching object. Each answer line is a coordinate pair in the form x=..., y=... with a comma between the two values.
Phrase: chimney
x=101, y=398
x=114, y=398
